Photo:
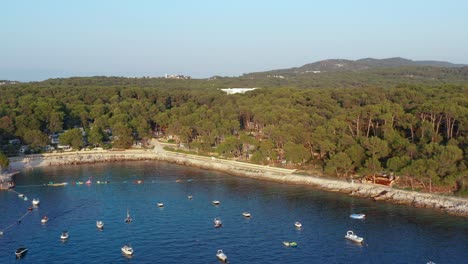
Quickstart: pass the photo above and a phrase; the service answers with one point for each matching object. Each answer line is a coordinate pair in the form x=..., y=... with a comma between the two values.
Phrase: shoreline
x=448, y=204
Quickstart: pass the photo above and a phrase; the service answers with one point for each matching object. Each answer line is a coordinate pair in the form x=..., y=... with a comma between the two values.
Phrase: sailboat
x=128, y=219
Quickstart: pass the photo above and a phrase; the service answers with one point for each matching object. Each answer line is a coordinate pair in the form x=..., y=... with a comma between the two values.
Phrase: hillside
x=341, y=65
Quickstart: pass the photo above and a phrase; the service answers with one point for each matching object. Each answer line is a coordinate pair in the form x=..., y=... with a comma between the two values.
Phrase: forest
x=415, y=131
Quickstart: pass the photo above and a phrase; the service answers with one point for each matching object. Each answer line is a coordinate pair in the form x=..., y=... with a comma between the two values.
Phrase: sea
x=183, y=232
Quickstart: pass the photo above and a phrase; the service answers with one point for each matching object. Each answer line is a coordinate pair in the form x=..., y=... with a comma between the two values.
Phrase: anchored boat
x=298, y=225
x=358, y=216
x=36, y=201
x=351, y=236
x=100, y=224
x=64, y=235
x=127, y=250
x=20, y=252
x=221, y=256
x=217, y=222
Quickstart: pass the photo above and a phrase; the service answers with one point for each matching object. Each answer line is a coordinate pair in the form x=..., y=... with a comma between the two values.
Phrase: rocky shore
x=451, y=205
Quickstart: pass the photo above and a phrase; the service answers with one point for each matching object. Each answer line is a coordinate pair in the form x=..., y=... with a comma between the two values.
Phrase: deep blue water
x=183, y=232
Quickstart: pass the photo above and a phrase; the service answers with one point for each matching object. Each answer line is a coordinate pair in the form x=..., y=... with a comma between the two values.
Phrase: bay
x=182, y=231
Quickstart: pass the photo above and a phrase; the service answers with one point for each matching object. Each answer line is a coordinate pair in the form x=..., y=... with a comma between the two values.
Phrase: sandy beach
x=448, y=204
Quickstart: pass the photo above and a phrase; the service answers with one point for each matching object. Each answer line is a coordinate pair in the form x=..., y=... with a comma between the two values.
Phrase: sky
x=203, y=38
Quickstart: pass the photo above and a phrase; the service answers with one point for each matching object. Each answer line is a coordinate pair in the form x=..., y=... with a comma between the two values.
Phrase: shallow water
x=183, y=232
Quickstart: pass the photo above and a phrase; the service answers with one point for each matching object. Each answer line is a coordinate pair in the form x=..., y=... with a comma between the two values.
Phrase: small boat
x=128, y=219
x=127, y=250
x=160, y=204
x=1, y=233
x=246, y=214
x=221, y=256
x=44, y=219
x=290, y=244
x=190, y=197
x=138, y=181
x=216, y=202
x=57, y=184
x=298, y=225
x=79, y=183
x=357, y=216
x=20, y=252
x=20, y=195
x=30, y=208
x=217, y=222
x=35, y=201
x=88, y=182
x=351, y=236
x=100, y=224
x=64, y=235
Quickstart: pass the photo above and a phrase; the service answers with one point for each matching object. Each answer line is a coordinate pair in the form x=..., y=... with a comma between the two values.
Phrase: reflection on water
x=182, y=231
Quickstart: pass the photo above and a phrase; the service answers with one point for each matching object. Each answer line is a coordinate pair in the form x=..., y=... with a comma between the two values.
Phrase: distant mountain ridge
x=342, y=65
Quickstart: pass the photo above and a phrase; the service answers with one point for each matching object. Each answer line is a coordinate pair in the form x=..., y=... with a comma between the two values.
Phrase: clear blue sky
x=46, y=39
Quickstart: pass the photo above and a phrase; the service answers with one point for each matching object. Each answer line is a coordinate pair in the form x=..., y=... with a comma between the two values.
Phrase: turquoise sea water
x=183, y=232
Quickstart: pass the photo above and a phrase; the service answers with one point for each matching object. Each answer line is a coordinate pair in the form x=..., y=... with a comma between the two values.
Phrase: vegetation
x=417, y=132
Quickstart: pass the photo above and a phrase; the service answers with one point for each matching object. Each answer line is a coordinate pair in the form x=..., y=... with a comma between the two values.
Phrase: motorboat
x=128, y=219
x=298, y=225
x=190, y=197
x=79, y=183
x=30, y=208
x=100, y=224
x=36, y=201
x=160, y=204
x=217, y=222
x=357, y=216
x=44, y=219
x=221, y=256
x=290, y=244
x=20, y=252
x=351, y=236
x=20, y=195
x=216, y=202
x=127, y=250
x=88, y=182
x=246, y=214
x=64, y=235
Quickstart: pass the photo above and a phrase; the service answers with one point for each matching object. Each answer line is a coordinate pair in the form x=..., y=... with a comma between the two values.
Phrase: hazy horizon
x=52, y=39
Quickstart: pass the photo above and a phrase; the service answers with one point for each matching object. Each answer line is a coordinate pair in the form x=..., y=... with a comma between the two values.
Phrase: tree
x=72, y=137
x=96, y=136
x=339, y=163
x=122, y=136
x=4, y=161
x=35, y=138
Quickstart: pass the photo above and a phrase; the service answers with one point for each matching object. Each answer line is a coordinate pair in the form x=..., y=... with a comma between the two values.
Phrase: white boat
x=290, y=244
x=64, y=235
x=351, y=236
x=128, y=219
x=20, y=195
x=44, y=219
x=216, y=202
x=190, y=197
x=20, y=252
x=357, y=216
x=217, y=222
x=127, y=250
x=221, y=256
x=298, y=225
x=160, y=204
x=35, y=201
x=246, y=214
x=100, y=224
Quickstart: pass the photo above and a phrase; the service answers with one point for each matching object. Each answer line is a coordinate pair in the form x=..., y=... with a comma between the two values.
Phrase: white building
x=237, y=90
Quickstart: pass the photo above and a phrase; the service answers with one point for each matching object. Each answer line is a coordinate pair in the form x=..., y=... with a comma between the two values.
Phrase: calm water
x=183, y=232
